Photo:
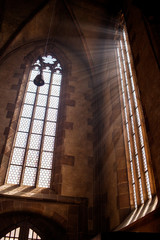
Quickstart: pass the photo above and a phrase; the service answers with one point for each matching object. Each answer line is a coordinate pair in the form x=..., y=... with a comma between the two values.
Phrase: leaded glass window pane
x=35, y=141
x=24, y=124
x=27, y=111
x=37, y=126
x=18, y=156
x=34, y=73
x=52, y=114
x=50, y=128
x=53, y=102
x=46, y=76
x=32, y=87
x=48, y=143
x=45, y=176
x=55, y=90
x=14, y=174
x=29, y=98
x=47, y=158
x=21, y=139
x=29, y=176
x=42, y=100
x=39, y=112
x=44, y=89
x=32, y=158
x=57, y=79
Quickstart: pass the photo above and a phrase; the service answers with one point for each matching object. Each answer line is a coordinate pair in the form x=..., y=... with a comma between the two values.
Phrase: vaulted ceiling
x=77, y=25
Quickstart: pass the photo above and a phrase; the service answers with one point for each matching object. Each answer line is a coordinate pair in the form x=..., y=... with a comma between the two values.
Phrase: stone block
x=70, y=102
x=71, y=89
x=90, y=121
x=68, y=160
x=68, y=125
x=73, y=210
x=123, y=201
x=10, y=107
x=9, y=114
x=122, y=175
x=90, y=161
x=15, y=87
x=123, y=188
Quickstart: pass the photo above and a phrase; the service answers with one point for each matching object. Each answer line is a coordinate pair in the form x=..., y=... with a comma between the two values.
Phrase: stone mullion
x=24, y=230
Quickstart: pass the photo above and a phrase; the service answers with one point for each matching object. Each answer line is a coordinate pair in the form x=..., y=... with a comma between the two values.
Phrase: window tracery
x=33, y=148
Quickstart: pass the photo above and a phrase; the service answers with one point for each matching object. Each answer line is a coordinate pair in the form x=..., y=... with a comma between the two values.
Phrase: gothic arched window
x=33, y=147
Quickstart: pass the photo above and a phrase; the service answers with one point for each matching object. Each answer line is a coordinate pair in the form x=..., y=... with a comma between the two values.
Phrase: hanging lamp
x=38, y=81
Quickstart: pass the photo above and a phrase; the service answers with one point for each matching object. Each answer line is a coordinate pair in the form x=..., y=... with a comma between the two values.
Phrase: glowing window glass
x=15, y=234
x=133, y=126
x=33, y=149
x=33, y=235
x=12, y=235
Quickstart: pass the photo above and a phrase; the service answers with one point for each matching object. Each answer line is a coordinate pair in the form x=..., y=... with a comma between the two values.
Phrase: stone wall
x=111, y=180
x=73, y=172
x=90, y=187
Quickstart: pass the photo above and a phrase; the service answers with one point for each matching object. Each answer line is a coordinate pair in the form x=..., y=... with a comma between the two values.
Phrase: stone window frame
x=56, y=179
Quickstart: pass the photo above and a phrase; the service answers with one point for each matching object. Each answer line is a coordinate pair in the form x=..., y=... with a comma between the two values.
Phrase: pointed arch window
x=33, y=148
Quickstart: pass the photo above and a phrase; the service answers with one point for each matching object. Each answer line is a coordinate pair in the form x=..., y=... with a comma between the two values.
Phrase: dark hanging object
x=38, y=81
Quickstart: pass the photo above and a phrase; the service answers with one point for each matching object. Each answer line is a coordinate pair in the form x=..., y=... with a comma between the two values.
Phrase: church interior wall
x=90, y=193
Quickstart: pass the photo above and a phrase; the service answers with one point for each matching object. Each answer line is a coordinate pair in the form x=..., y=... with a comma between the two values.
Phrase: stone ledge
x=37, y=194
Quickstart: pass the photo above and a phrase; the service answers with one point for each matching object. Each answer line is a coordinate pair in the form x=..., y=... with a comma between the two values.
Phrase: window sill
x=139, y=213
x=39, y=194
